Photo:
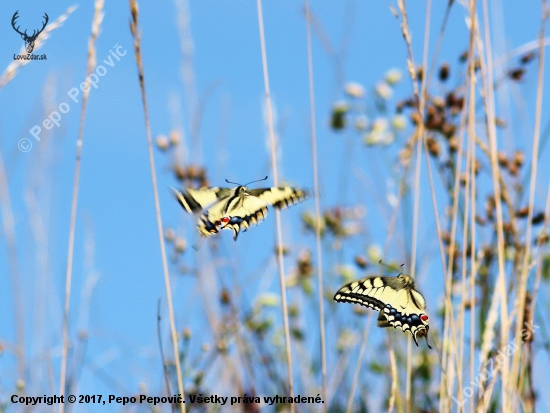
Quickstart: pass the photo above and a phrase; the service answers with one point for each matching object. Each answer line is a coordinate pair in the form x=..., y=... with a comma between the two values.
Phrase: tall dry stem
x=90, y=66
x=134, y=28
x=279, y=248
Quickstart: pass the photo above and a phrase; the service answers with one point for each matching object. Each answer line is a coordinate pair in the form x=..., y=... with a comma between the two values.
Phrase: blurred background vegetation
x=430, y=133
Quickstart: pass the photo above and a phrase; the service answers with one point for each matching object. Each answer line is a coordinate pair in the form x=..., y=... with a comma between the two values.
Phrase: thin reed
x=434, y=167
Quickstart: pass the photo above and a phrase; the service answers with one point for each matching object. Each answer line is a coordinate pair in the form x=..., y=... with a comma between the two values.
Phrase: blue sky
x=116, y=235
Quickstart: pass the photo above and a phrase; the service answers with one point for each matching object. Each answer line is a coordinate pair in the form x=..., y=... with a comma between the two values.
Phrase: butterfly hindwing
x=240, y=212
x=399, y=304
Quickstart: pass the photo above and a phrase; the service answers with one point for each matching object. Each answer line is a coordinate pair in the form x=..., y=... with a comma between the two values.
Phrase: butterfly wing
x=400, y=305
x=281, y=197
x=235, y=213
x=235, y=209
x=195, y=200
x=372, y=292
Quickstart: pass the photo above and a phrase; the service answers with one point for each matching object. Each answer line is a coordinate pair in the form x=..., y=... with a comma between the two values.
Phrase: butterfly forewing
x=195, y=200
x=282, y=197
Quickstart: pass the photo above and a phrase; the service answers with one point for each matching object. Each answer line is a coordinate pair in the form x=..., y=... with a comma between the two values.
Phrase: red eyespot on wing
x=225, y=220
x=424, y=317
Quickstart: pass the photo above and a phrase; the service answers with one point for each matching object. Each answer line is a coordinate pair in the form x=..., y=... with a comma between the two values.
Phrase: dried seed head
x=284, y=250
x=338, y=117
x=501, y=123
x=383, y=90
x=453, y=144
x=480, y=220
x=502, y=159
x=181, y=245
x=179, y=172
x=399, y=122
x=519, y=158
x=522, y=212
x=433, y=147
x=361, y=261
x=439, y=103
x=477, y=166
x=162, y=142
x=444, y=71
x=528, y=57
x=516, y=74
x=490, y=207
x=416, y=118
x=448, y=129
x=463, y=178
x=538, y=218
x=305, y=265
x=393, y=76
x=174, y=137
x=507, y=227
x=354, y=90
x=169, y=234
x=420, y=73
x=225, y=296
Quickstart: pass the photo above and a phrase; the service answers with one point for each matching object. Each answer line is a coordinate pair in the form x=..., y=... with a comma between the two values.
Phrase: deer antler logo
x=29, y=40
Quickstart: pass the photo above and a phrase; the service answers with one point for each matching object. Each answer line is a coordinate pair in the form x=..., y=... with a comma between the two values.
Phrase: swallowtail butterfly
x=235, y=208
x=400, y=305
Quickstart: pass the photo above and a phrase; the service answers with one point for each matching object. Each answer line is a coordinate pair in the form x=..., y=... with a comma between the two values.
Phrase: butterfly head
x=407, y=281
x=422, y=330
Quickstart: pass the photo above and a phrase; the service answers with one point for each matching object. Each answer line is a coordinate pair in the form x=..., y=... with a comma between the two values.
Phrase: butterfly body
x=235, y=208
x=399, y=304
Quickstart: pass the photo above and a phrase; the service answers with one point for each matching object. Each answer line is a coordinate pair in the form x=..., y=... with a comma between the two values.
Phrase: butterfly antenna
x=258, y=180
x=234, y=183
x=400, y=272
x=390, y=267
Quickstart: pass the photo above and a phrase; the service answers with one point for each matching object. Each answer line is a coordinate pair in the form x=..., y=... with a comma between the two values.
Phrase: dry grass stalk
x=317, y=209
x=488, y=100
x=280, y=260
x=522, y=288
x=134, y=28
x=17, y=289
x=90, y=66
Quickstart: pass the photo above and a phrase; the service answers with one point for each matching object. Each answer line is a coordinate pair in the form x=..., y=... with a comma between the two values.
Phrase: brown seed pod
x=516, y=74
x=225, y=296
x=522, y=212
x=444, y=72
x=361, y=262
x=416, y=118
x=480, y=220
x=528, y=57
x=502, y=159
x=433, y=147
x=419, y=73
x=519, y=158
x=538, y=218
x=453, y=144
